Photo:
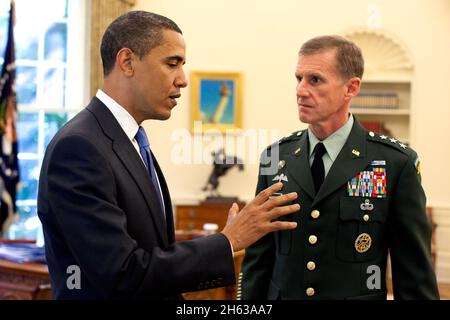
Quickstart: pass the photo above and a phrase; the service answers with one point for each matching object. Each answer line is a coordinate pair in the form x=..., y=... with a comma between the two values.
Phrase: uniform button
x=366, y=217
x=310, y=292
x=315, y=214
x=311, y=265
x=312, y=239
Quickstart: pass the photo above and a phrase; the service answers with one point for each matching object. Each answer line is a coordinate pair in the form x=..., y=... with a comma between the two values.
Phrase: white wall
x=261, y=39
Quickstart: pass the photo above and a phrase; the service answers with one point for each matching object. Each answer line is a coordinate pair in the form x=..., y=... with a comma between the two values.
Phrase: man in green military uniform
x=360, y=195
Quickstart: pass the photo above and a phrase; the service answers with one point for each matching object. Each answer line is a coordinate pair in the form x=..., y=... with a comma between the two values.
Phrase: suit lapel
x=127, y=154
x=167, y=201
x=299, y=168
x=350, y=161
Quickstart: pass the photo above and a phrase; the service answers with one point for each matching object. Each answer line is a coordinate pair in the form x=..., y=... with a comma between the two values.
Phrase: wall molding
x=443, y=267
x=441, y=213
x=385, y=54
x=441, y=216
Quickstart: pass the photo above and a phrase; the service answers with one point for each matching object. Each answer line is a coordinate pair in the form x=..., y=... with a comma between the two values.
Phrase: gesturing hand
x=255, y=220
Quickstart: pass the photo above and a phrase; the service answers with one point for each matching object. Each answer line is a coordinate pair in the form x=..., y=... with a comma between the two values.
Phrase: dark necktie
x=144, y=148
x=317, y=168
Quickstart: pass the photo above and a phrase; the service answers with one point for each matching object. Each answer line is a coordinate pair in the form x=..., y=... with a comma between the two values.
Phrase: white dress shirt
x=128, y=125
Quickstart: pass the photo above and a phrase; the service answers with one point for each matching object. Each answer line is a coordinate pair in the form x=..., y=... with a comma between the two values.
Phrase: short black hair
x=349, y=58
x=139, y=31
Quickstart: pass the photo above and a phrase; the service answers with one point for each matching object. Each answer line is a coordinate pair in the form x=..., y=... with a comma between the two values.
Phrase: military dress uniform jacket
x=371, y=201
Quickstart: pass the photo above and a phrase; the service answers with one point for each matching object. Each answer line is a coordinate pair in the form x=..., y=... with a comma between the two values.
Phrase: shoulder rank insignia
x=389, y=141
x=370, y=183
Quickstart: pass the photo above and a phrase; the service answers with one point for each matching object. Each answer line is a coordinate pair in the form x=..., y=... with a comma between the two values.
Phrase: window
x=49, y=37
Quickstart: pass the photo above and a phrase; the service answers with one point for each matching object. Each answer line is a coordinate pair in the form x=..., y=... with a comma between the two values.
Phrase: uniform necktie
x=144, y=149
x=317, y=168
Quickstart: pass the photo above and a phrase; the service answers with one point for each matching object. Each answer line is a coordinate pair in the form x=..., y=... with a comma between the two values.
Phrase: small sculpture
x=221, y=164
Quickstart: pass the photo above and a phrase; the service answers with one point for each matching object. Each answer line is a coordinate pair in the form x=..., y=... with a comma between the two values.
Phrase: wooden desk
x=31, y=281
x=28, y=281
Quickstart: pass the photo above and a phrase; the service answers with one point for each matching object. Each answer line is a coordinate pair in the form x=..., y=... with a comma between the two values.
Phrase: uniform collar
x=334, y=142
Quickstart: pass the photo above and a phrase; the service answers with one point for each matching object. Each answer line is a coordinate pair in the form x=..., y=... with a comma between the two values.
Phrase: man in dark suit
x=103, y=201
x=361, y=196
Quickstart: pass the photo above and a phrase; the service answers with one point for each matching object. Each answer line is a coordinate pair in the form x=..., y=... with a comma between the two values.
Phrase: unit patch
x=417, y=165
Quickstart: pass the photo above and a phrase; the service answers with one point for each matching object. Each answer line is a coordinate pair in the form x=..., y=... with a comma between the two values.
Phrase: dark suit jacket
x=100, y=212
x=286, y=265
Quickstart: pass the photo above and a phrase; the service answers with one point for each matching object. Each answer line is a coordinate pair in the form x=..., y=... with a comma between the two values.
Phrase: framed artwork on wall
x=216, y=100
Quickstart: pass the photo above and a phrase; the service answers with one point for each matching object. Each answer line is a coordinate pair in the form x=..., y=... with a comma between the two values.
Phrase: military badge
x=378, y=163
x=363, y=242
x=370, y=183
x=366, y=206
x=280, y=177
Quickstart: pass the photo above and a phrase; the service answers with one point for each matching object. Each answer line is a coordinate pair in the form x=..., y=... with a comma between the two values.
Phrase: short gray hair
x=349, y=59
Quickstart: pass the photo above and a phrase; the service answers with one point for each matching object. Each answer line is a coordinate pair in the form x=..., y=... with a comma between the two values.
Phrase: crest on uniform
x=363, y=242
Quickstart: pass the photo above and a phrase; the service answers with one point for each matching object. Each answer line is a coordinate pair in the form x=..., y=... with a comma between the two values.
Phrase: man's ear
x=124, y=60
x=353, y=86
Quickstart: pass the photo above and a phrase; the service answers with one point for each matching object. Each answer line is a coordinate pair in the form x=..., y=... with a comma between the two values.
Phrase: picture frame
x=216, y=101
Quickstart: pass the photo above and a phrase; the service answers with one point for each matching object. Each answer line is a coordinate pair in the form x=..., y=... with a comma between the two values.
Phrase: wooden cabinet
x=24, y=281
x=193, y=217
